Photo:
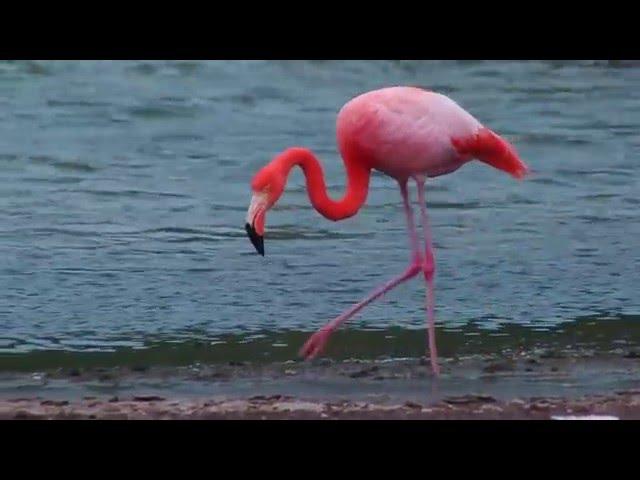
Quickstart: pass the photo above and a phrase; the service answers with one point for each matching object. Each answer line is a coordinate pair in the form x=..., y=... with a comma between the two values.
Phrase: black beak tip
x=256, y=240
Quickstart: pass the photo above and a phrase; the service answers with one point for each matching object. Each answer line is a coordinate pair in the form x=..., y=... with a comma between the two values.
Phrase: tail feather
x=492, y=149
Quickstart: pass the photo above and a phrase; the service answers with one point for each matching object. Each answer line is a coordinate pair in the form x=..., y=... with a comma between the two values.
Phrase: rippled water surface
x=124, y=186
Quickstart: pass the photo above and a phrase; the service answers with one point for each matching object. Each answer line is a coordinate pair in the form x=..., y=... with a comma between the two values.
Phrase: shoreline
x=621, y=406
x=521, y=386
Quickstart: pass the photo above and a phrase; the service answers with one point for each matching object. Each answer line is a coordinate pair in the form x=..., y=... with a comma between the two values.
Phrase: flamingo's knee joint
x=412, y=270
x=429, y=269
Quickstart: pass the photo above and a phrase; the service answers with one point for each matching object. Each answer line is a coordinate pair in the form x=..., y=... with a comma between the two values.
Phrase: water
x=124, y=187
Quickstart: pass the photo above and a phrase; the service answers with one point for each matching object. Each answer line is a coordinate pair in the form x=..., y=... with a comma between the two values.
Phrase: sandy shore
x=624, y=405
x=522, y=386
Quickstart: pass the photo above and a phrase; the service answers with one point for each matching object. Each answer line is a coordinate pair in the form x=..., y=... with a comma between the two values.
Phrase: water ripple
x=124, y=188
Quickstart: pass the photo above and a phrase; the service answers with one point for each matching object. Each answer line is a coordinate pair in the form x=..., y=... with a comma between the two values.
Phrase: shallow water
x=124, y=186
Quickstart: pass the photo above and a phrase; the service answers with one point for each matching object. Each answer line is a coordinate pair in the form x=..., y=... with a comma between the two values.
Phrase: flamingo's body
x=404, y=132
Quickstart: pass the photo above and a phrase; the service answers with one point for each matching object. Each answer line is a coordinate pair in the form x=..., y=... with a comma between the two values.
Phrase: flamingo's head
x=267, y=187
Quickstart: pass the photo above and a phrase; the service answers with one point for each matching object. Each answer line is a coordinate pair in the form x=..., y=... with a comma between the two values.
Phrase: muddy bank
x=522, y=385
x=623, y=405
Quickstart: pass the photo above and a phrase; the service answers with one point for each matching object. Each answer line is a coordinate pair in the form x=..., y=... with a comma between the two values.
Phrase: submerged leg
x=317, y=341
x=428, y=268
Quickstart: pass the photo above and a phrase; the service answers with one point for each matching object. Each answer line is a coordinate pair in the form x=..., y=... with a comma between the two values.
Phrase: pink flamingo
x=404, y=132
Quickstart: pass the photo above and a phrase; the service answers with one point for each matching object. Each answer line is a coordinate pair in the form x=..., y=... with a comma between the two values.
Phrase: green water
x=124, y=186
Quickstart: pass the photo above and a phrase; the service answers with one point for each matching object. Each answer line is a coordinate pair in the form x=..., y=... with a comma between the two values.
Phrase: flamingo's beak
x=257, y=240
x=255, y=221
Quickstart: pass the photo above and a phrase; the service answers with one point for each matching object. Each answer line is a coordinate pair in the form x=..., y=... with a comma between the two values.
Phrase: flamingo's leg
x=317, y=341
x=428, y=268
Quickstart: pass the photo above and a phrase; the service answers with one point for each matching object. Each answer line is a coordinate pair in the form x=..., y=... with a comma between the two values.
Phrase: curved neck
x=357, y=183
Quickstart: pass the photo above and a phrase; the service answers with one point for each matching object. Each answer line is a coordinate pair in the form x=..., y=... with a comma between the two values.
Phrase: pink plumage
x=404, y=132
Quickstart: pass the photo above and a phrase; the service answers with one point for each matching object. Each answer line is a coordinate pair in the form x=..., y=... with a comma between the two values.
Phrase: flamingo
x=405, y=133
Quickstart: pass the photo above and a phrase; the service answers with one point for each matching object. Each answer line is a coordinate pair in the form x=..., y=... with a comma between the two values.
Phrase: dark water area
x=124, y=187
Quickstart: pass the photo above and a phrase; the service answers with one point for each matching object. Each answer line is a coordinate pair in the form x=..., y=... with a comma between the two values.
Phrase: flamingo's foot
x=427, y=360
x=316, y=343
x=435, y=368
